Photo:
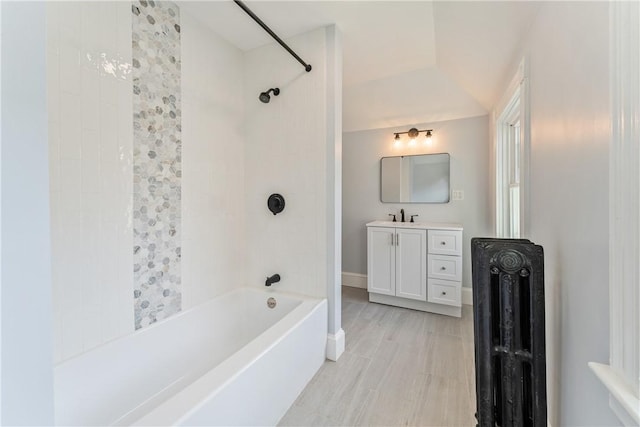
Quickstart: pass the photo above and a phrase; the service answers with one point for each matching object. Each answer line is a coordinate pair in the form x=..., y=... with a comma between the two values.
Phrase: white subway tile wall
x=286, y=153
x=213, y=208
x=235, y=152
x=92, y=207
x=89, y=91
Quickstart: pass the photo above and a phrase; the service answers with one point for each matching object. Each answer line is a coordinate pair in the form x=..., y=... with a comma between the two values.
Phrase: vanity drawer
x=445, y=242
x=445, y=267
x=444, y=292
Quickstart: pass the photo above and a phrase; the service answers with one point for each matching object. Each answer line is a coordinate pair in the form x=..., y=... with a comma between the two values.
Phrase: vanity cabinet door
x=381, y=262
x=411, y=268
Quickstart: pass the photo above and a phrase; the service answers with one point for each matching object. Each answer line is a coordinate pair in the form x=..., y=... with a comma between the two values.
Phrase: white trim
x=517, y=92
x=621, y=376
x=354, y=280
x=621, y=413
x=467, y=296
x=624, y=395
x=1, y=214
x=514, y=84
x=624, y=216
x=333, y=98
x=525, y=149
x=335, y=345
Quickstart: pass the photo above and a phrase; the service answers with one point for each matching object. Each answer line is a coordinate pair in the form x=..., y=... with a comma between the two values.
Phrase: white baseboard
x=467, y=296
x=448, y=310
x=354, y=280
x=335, y=345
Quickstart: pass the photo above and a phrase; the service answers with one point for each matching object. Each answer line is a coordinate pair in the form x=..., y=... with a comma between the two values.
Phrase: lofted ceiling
x=405, y=62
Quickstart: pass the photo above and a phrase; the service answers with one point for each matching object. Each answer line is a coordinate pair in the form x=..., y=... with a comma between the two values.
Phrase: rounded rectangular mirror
x=422, y=178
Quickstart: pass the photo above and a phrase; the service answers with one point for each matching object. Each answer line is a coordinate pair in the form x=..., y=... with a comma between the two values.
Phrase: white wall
x=286, y=153
x=89, y=90
x=91, y=149
x=466, y=140
x=567, y=50
x=26, y=339
x=213, y=244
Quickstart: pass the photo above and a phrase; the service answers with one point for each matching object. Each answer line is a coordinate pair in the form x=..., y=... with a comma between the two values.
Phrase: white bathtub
x=230, y=361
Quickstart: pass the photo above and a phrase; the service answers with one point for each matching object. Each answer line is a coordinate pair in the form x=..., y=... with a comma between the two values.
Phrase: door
x=381, y=260
x=411, y=268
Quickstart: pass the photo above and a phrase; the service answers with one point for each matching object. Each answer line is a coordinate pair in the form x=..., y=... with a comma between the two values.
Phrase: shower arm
x=264, y=26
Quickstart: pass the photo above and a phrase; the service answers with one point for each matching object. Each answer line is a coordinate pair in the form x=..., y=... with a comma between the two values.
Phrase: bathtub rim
x=183, y=313
x=179, y=383
x=188, y=400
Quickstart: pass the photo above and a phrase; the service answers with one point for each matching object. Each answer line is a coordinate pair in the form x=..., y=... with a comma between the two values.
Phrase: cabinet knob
x=443, y=268
x=444, y=293
x=443, y=243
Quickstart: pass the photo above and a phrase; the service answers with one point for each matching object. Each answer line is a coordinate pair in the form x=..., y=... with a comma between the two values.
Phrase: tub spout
x=273, y=279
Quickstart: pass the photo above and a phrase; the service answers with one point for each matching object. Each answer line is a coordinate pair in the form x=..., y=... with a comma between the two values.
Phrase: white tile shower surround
x=213, y=239
x=286, y=153
x=91, y=150
x=400, y=367
x=89, y=91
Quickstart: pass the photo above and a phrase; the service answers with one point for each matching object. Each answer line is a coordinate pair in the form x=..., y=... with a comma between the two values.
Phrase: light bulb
x=396, y=140
x=412, y=142
x=428, y=140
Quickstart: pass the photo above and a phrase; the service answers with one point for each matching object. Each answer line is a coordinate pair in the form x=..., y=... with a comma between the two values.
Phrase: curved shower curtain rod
x=244, y=7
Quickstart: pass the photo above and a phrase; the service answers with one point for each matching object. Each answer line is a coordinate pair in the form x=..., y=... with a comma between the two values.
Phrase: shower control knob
x=275, y=203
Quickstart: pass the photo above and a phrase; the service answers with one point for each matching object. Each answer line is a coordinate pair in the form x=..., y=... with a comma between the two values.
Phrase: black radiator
x=508, y=310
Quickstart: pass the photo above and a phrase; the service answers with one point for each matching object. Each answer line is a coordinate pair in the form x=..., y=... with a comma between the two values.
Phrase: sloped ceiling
x=420, y=96
x=476, y=43
x=405, y=62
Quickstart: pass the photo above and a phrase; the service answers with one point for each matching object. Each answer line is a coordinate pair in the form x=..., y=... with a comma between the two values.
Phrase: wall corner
x=335, y=345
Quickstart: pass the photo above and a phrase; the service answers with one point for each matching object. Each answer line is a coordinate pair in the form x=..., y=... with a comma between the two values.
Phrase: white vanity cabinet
x=397, y=266
x=415, y=265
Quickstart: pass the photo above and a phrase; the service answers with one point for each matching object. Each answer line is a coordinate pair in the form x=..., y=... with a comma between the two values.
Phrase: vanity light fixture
x=413, y=134
x=429, y=140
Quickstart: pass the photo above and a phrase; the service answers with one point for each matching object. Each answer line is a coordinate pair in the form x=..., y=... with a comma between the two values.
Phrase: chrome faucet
x=271, y=280
x=401, y=215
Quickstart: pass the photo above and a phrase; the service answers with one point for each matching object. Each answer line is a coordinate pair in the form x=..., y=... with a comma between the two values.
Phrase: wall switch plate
x=457, y=195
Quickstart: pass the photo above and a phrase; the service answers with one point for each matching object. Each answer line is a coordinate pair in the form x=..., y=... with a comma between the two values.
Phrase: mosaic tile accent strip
x=157, y=162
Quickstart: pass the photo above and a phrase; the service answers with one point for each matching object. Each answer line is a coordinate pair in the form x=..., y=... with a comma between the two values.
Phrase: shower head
x=265, y=97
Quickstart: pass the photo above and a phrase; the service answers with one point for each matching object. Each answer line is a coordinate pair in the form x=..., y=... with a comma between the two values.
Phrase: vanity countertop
x=421, y=225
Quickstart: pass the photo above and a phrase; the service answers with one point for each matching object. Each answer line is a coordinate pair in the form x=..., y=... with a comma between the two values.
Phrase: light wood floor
x=400, y=368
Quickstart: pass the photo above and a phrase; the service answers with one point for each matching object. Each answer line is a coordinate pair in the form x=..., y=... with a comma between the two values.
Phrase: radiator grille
x=509, y=332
